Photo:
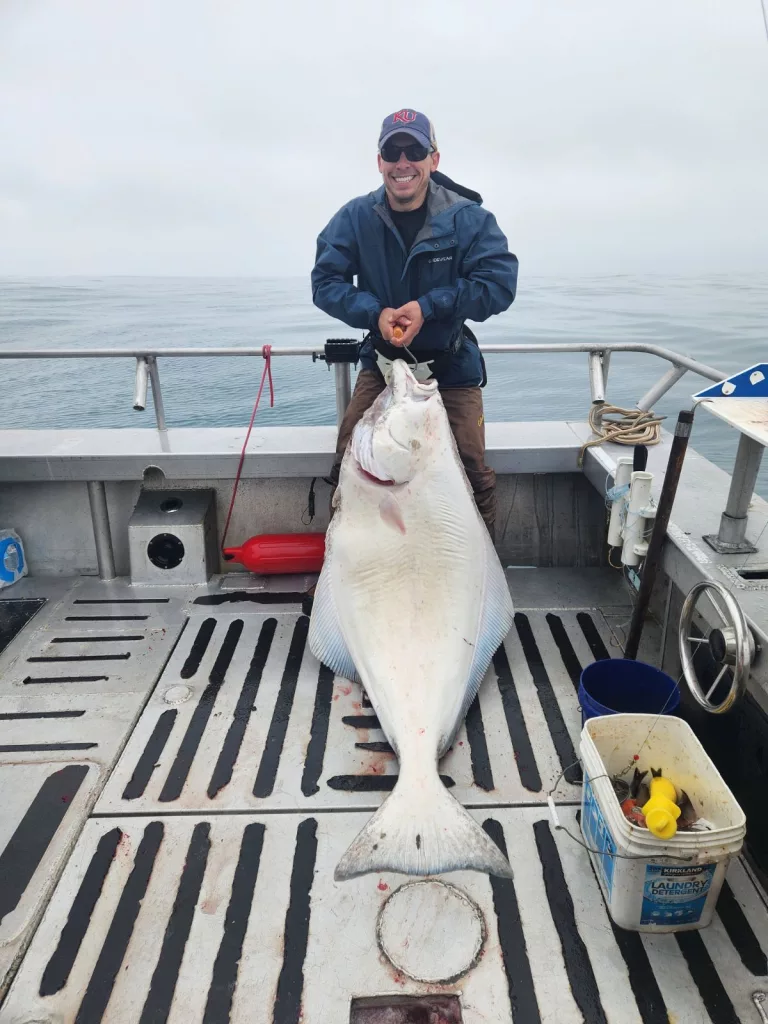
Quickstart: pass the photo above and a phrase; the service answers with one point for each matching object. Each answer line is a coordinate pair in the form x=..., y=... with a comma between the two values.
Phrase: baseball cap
x=411, y=122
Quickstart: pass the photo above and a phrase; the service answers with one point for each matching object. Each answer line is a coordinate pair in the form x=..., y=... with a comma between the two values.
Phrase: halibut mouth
x=374, y=479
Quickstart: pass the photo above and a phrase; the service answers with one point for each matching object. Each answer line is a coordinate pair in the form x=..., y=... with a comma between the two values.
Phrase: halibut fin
x=422, y=831
x=325, y=638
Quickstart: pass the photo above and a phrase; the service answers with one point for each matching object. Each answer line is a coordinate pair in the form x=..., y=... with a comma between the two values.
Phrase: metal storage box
x=172, y=537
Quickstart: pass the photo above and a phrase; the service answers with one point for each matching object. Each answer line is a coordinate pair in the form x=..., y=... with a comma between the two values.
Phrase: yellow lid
x=661, y=816
x=663, y=787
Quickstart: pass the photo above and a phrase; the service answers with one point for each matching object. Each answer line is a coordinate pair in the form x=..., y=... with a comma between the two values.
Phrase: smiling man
x=426, y=257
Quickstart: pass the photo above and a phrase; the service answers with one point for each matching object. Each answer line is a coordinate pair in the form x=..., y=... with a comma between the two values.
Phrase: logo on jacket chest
x=440, y=259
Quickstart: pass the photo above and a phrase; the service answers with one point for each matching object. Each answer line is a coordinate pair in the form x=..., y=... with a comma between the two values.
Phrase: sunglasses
x=391, y=151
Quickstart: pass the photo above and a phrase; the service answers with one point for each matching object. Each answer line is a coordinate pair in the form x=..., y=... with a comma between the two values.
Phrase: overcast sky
x=187, y=137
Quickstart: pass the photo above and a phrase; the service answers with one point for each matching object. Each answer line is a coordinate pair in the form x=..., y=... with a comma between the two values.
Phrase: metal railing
x=599, y=355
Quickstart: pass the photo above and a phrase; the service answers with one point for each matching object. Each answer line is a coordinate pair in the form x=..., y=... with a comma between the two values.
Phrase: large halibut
x=412, y=602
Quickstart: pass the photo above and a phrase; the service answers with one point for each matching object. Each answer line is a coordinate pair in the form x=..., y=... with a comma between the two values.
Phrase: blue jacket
x=459, y=268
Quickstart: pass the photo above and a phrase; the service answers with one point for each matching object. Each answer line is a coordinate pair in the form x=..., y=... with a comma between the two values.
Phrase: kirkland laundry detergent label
x=598, y=838
x=674, y=895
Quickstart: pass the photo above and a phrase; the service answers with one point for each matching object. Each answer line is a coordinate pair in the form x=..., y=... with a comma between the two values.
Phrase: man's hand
x=387, y=324
x=410, y=318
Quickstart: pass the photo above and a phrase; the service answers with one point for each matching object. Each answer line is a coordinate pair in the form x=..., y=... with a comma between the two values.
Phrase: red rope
x=266, y=375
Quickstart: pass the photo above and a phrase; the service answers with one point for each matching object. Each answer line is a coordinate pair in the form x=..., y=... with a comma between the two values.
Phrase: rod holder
x=621, y=477
x=597, y=387
x=596, y=379
x=142, y=379
x=638, y=513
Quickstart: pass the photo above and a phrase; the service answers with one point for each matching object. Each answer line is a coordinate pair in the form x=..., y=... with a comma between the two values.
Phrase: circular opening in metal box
x=165, y=551
x=171, y=505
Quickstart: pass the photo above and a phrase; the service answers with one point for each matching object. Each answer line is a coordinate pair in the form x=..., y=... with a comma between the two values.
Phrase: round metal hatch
x=431, y=931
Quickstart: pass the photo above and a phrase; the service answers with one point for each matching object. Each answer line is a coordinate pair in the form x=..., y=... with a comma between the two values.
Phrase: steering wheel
x=731, y=645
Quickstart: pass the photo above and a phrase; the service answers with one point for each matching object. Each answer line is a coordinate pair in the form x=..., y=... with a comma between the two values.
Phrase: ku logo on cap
x=405, y=116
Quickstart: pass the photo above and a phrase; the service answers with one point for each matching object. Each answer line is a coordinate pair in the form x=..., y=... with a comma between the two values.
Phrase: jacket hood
x=442, y=179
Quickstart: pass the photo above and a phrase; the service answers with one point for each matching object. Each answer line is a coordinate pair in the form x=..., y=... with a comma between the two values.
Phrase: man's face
x=406, y=180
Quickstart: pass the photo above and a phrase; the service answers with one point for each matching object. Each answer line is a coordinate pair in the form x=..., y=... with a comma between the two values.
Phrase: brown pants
x=464, y=407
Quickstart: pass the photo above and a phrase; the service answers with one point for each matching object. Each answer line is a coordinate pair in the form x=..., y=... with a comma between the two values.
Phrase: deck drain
x=165, y=551
x=431, y=931
x=177, y=694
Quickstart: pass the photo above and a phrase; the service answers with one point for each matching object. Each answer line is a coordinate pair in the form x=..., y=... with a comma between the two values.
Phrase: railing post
x=105, y=559
x=157, y=395
x=605, y=357
x=661, y=387
x=731, y=538
x=341, y=353
x=343, y=373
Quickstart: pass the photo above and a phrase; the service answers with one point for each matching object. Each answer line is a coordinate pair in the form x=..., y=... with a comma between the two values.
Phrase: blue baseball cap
x=410, y=122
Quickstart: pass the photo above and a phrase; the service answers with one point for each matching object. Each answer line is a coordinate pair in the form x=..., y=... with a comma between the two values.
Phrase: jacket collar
x=440, y=201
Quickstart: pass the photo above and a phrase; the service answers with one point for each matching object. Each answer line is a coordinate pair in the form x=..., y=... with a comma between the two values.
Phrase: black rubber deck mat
x=14, y=615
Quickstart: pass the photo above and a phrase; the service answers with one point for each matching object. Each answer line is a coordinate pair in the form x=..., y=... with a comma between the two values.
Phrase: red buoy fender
x=272, y=554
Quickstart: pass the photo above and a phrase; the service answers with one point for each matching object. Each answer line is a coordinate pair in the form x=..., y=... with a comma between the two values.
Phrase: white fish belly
x=410, y=604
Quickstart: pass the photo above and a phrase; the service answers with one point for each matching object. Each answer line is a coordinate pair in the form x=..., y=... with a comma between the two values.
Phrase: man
x=427, y=257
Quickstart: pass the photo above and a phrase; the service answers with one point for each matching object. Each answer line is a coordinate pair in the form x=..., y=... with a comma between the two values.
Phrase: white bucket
x=670, y=885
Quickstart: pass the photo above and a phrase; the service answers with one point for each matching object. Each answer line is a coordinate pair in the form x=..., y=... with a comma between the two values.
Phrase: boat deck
x=180, y=776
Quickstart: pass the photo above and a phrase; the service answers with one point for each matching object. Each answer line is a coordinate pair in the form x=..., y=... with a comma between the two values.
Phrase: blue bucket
x=618, y=686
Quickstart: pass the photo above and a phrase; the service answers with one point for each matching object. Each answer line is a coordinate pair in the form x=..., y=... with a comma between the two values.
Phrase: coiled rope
x=621, y=426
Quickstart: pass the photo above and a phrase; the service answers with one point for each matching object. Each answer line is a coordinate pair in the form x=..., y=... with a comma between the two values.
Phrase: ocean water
x=719, y=319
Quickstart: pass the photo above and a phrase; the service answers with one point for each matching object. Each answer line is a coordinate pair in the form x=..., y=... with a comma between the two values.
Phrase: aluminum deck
x=180, y=776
